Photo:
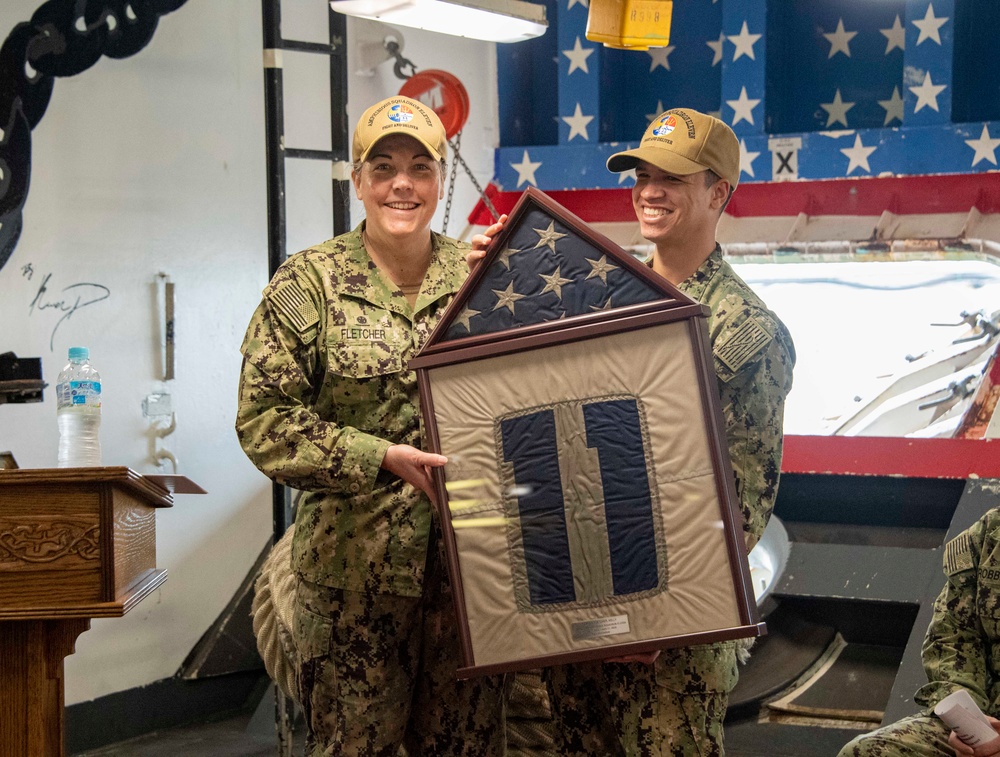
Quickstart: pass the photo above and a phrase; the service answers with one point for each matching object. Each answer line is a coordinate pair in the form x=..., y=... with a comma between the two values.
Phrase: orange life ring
x=443, y=93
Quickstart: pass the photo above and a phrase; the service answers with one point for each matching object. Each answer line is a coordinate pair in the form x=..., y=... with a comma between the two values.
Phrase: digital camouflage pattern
x=754, y=357
x=381, y=673
x=961, y=648
x=325, y=391
x=676, y=706
x=673, y=708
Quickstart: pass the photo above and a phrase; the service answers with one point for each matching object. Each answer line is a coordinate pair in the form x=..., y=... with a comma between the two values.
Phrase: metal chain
x=451, y=182
x=472, y=178
x=392, y=47
x=61, y=39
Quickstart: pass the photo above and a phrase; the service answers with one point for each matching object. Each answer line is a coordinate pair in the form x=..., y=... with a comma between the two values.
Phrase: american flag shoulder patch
x=294, y=306
x=742, y=344
x=958, y=555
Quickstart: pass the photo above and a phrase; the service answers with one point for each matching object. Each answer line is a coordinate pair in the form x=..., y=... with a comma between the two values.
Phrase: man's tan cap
x=399, y=115
x=683, y=141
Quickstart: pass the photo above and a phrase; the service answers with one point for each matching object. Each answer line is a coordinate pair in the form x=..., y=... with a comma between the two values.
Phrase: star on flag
x=554, y=283
x=465, y=316
x=504, y=256
x=548, y=237
x=507, y=297
x=601, y=268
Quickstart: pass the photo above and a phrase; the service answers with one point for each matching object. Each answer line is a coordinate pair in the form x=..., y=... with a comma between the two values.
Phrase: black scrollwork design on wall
x=63, y=38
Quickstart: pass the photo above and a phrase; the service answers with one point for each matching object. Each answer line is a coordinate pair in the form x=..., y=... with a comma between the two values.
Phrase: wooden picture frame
x=588, y=507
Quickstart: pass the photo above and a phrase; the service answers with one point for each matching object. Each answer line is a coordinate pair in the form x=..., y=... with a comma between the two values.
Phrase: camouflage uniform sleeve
x=754, y=358
x=954, y=651
x=276, y=425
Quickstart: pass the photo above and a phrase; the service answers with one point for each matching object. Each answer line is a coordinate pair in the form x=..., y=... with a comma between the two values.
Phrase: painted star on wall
x=893, y=107
x=658, y=111
x=930, y=26
x=985, y=147
x=526, y=170
x=578, y=57
x=629, y=174
x=927, y=93
x=660, y=57
x=837, y=110
x=578, y=124
x=743, y=107
x=858, y=155
x=746, y=159
x=895, y=36
x=716, y=45
x=840, y=40
x=744, y=42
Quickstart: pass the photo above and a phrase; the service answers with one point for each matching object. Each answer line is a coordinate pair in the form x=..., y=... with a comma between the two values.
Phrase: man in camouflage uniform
x=673, y=703
x=325, y=394
x=961, y=650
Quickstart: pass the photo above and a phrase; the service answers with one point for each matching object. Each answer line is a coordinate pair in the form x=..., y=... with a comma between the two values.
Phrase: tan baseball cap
x=683, y=141
x=399, y=115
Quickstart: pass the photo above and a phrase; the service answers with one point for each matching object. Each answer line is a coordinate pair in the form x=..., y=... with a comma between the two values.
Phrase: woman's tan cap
x=683, y=141
x=399, y=115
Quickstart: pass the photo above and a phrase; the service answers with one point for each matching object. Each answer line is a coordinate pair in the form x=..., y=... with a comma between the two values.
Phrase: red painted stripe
x=904, y=195
x=883, y=456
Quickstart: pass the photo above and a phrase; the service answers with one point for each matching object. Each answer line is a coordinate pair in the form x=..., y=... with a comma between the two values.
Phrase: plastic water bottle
x=78, y=396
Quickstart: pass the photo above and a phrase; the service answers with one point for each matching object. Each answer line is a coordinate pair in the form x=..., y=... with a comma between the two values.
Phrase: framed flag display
x=588, y=504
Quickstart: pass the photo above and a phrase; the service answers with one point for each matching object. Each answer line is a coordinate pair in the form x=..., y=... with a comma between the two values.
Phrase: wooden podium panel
x=75, y=544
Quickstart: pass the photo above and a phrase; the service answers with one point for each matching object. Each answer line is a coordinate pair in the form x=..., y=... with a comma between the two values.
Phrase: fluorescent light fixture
x=490, y=20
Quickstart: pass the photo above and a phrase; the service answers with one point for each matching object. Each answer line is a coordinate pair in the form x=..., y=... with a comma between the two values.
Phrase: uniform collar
x=694, y=286
x=359, y=276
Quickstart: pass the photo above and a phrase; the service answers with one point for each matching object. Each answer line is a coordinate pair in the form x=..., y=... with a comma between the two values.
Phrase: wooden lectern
x=75, y=544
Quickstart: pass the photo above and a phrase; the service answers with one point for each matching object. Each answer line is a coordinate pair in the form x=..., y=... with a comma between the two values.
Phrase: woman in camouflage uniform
x=327, y=405
x=961, y=650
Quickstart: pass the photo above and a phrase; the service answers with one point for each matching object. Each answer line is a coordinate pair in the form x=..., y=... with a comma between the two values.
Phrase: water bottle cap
x=79, y=353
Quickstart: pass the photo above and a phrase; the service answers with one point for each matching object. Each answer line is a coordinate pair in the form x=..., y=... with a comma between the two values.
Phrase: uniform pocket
x=312, y=622
x=366, y=350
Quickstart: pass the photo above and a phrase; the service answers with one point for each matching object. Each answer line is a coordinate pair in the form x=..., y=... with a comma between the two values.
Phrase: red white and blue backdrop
x=846, y=88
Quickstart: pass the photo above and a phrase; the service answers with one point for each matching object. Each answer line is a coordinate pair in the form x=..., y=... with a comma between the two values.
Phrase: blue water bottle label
x=82, y=393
